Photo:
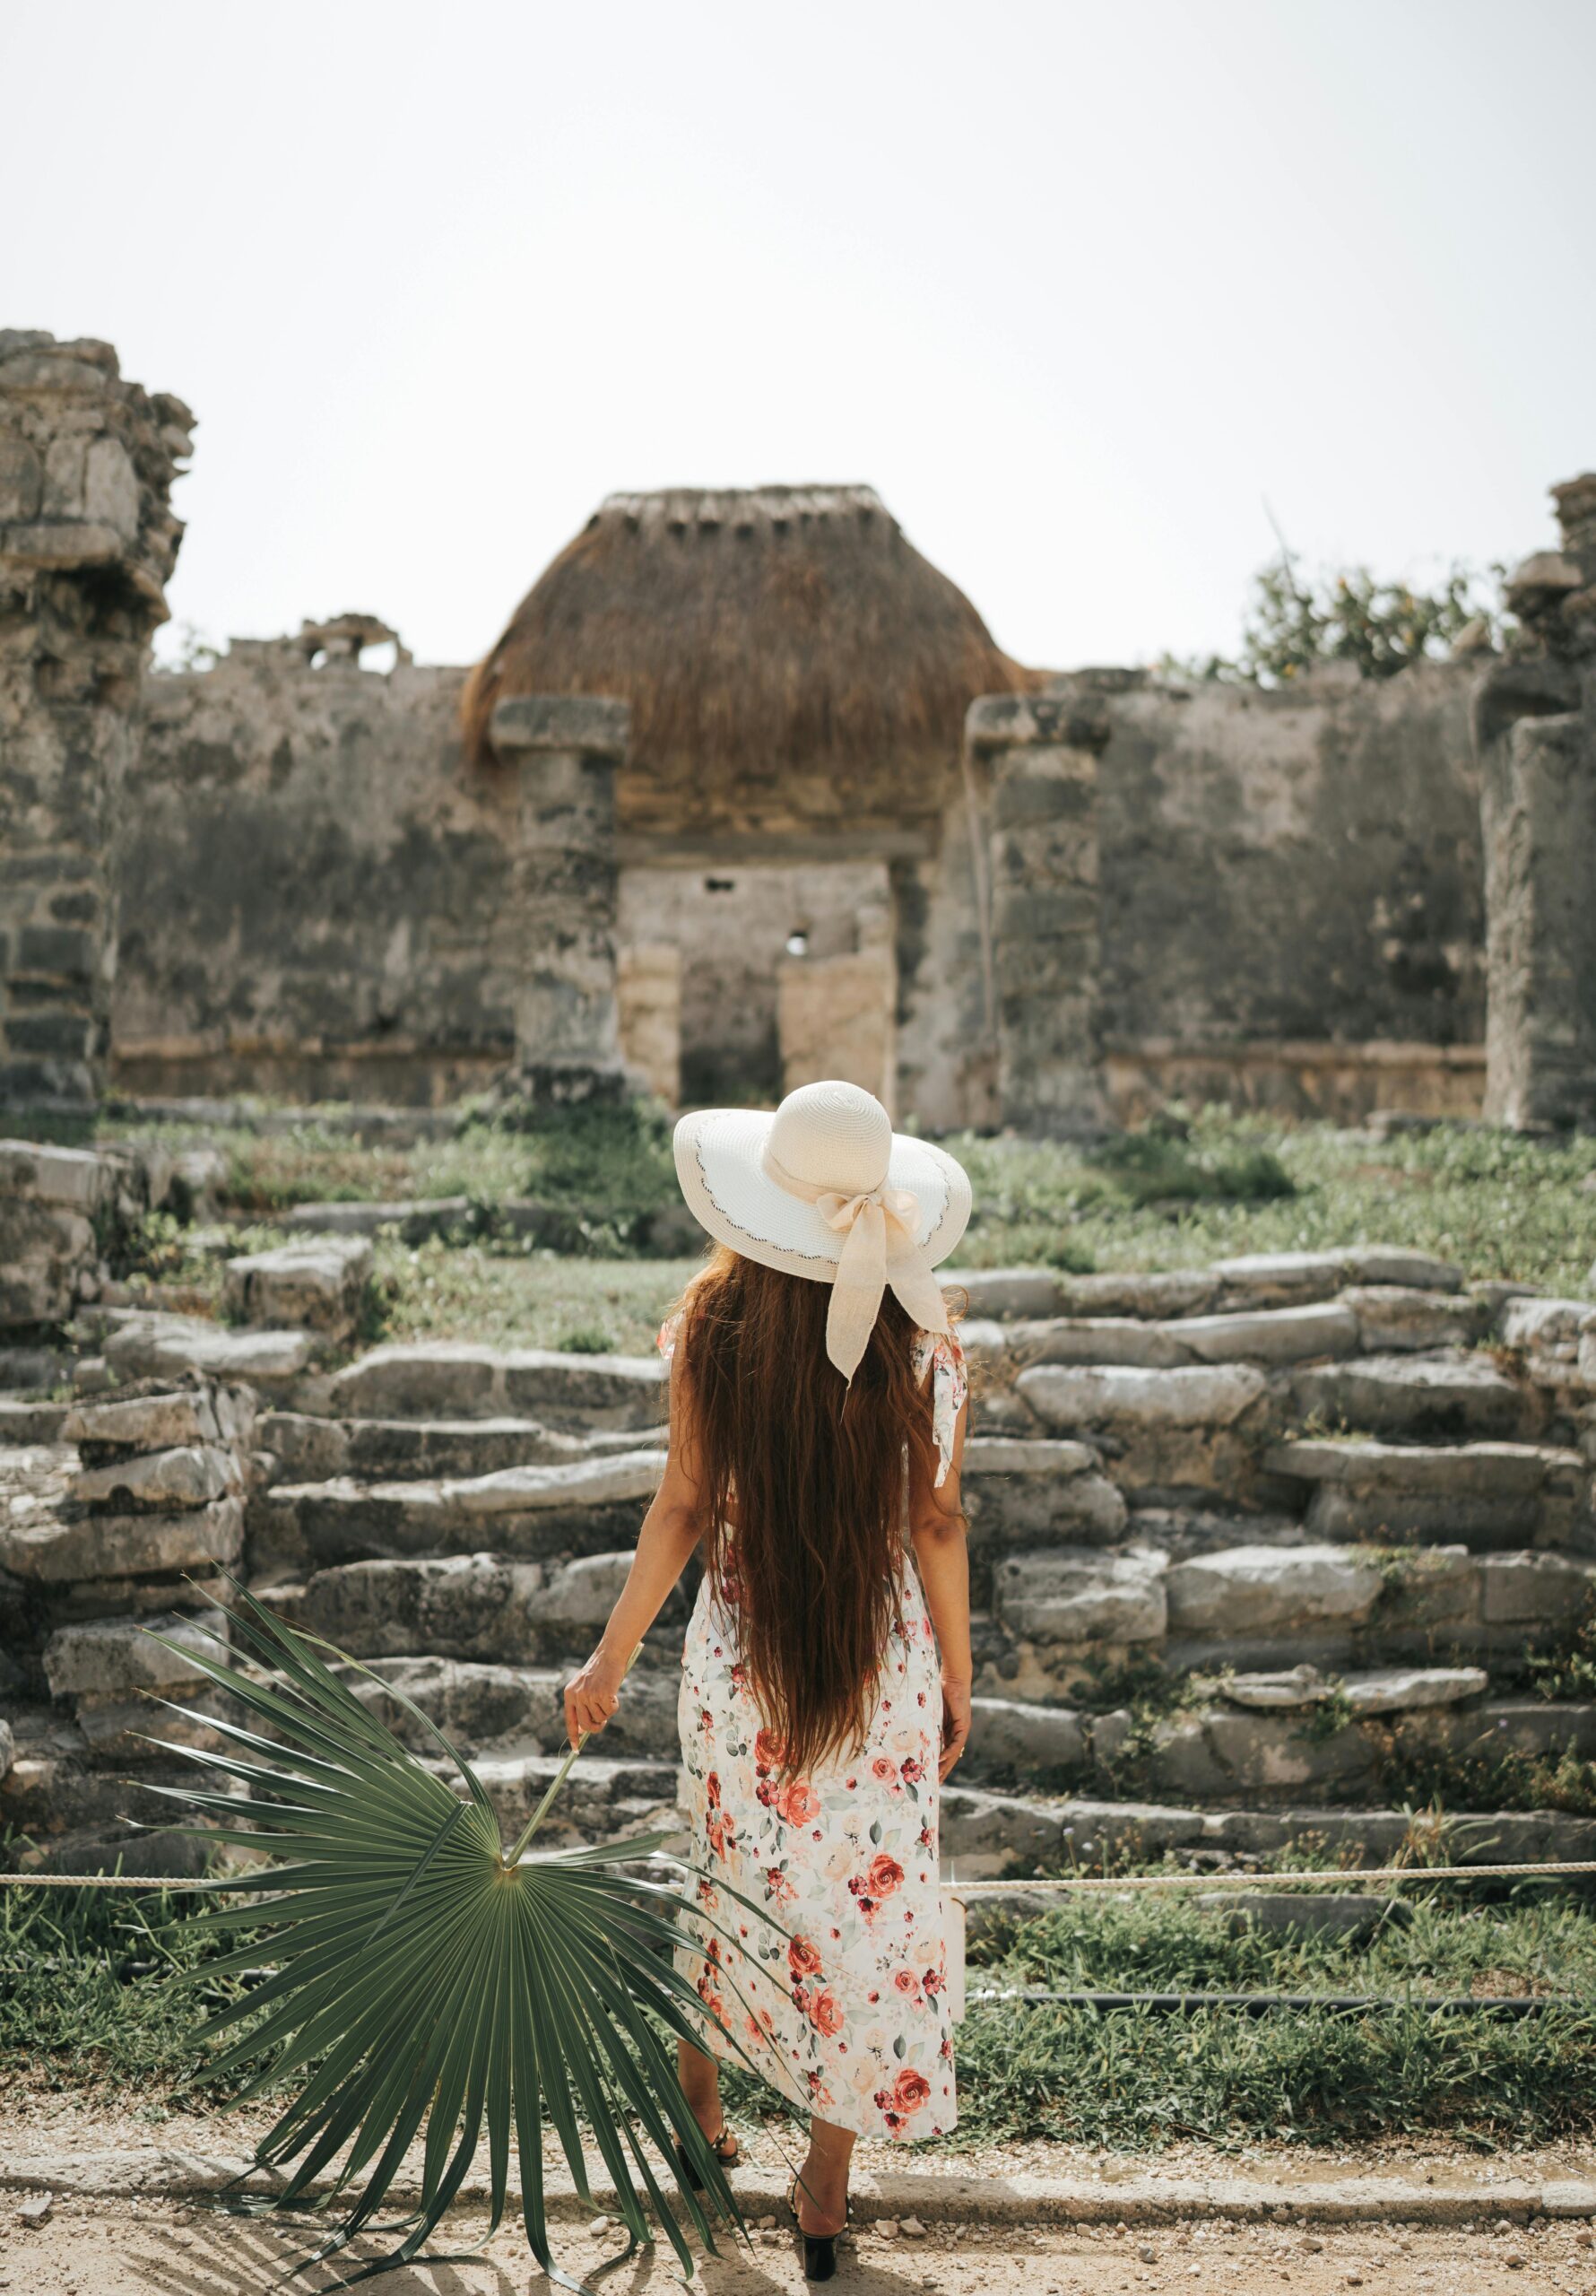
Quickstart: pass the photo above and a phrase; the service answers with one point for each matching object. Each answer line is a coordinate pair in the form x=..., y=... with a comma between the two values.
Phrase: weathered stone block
x=190, y=1475
x=320, y=1283
x=123, y=1546
x=1406, y=1690
x=1396, y=1394
x=1130, y=1399
x=1276, y=1335
x=159, y=1422
x=1248, y=1590
x=1005, y=1734
x=1534, y=1589
x=1075, y=1596
x=1004, y=1292
x=1401, y=1316
x=155, y=1345
x=110, y=1657
x=458, y=1606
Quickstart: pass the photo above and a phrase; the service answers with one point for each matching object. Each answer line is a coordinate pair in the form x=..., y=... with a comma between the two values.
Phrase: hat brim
x=719, y=1163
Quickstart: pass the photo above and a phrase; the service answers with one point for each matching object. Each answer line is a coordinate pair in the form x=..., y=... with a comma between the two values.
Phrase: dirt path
x=157, y=2248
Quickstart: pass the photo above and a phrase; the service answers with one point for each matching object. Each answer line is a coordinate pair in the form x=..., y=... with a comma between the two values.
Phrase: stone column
x=564, y=749
x=87, y=541
x=1040, y=754
x=1535, y=724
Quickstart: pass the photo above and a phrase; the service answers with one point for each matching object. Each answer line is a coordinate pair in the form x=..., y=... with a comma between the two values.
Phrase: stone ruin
x=718, y=875
x=87, y=543
x=1150, y=1476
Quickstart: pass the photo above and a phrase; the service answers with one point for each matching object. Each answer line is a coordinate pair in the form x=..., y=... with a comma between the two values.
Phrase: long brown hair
x=803, y=1481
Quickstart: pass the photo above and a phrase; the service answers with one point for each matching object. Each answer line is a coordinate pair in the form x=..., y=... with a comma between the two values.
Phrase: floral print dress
x=843, y=2004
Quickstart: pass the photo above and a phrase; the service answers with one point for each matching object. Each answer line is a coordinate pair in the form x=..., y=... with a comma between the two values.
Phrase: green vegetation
x=1346, y=616
x=1179, y=1192
x=88, y=1998
x=1478, y=1775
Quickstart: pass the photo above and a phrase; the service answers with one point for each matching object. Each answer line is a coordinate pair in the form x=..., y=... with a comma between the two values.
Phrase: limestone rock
x=319, y=1283
x=460, y=1606
x=1119, y=1399
x=1004, y=1292
x=583, y=1592
x=1552, y=1327
x=1076, y=1596
x=1252, y=1589
x=1119, y=1340
x=159, y=1422
x=1534, y=1589
x=1005, y=1734
x=1402, y=1315
x=1291, y=1335
x=122, y=1546
x=1402, y=1395
x=584, y=1482
x=1407, y=1690
x=1352, y=1915
x=76, y=1180
x=189, y=1476
x=1182, y=1292
x=110, y=1657
x=153, y=1345
x=1223, y=1752
x=1292, y=1690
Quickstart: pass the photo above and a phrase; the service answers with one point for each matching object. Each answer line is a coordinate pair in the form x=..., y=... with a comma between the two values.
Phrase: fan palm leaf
x=427, y=1982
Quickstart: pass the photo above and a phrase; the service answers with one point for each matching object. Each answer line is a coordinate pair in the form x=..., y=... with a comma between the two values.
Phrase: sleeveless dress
x=843, y=2006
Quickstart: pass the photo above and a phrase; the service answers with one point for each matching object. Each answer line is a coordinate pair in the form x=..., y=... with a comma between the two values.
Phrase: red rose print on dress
x=802, y=1959
x=798, y=1804
x=910, y=2091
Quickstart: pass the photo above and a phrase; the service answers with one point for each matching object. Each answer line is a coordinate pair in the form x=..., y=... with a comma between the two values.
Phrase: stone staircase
x=1251, y=1547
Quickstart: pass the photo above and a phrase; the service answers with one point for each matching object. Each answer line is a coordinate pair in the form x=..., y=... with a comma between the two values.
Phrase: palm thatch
x=783, y=626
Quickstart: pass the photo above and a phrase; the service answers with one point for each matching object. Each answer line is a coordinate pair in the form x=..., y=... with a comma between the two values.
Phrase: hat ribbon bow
x=878, y=1229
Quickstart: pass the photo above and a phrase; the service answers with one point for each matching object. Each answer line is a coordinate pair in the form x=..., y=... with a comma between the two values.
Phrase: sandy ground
x=100, y=2247
x=87, y=2248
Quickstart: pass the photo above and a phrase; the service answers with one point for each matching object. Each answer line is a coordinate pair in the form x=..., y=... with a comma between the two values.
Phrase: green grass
x=89, y=2000
x=1498, y=1205
x=1176, y=1193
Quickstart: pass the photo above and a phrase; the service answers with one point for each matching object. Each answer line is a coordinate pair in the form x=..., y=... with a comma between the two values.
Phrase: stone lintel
x=587, y=725
x=1003, y=721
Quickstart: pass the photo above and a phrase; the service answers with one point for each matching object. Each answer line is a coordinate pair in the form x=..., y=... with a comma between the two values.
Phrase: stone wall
x=86, y=541
x=309, y=886
x=1537, y=731
x=1292, y=891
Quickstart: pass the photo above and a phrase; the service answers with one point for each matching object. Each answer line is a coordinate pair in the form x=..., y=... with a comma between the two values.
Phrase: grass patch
x=100, y=1992
x=1179, y=1192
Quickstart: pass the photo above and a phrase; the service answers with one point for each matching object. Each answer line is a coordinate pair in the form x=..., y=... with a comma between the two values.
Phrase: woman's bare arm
x=937, y=1528
x=671, y=1530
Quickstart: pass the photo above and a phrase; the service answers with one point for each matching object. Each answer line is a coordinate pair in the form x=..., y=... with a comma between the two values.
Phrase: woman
x=817, y=1411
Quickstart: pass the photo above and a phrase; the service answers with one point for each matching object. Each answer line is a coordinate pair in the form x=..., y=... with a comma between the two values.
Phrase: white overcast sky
x=1076, y=286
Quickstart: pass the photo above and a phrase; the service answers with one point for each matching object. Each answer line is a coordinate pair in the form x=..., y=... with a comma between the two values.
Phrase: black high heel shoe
x=819, y=2248
x=728, y=2159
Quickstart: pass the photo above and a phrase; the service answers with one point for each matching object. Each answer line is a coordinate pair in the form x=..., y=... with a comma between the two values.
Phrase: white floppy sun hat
x=823, y=1188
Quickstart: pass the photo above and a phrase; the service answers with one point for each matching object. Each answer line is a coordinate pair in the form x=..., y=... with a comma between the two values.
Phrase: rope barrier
x=1318, y=1878
x=1343, y=1878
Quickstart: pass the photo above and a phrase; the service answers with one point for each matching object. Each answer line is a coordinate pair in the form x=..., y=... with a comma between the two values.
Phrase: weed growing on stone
x=1481, y=1775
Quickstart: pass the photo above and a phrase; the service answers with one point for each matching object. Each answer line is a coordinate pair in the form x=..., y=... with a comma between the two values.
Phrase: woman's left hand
x=591, y=1697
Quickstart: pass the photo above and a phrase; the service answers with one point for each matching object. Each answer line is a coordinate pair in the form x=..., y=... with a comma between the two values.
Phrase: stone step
x=455, y=1380
x=603, y=1797
x=144, y=1343
x=1262, y=1280
x=483, y=1606
x=1221, y=1752
x=478, y=1705
x=985, y=1834
x=1195, y=1428
x=1479, y=1494
x=1056, y=1610
x=308, y=1448
x=1457, y=1394
x=583, y=1507
x=1265, y=1335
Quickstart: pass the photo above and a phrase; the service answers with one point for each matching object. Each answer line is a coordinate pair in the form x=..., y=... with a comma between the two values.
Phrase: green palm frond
x=425, y=1978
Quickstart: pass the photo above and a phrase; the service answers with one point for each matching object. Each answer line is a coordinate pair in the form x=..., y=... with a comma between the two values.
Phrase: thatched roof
x=783, y=626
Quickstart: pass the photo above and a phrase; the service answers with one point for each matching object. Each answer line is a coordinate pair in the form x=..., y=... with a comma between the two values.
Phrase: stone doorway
x=785, y=975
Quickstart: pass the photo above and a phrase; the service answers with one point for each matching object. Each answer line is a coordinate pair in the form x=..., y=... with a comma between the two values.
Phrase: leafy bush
x=1346, y=616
